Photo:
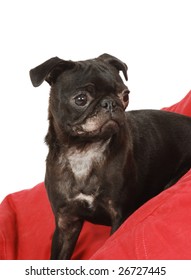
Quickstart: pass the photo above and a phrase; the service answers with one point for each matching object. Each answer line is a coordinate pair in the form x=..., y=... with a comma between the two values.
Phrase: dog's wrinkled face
x=90, y=104
x=88, y=98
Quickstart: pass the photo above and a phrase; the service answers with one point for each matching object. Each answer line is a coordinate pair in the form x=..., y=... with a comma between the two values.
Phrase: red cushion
x=160, y=229
x=27, y=226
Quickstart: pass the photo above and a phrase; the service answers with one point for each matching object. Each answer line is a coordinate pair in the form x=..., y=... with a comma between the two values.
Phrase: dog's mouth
x=110, y=127
x=93, y=128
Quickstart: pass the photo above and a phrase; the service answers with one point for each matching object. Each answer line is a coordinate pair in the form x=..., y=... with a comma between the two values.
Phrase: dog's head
x=87, y=98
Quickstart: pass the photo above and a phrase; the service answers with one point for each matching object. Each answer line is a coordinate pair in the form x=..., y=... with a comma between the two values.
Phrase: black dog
x=103, y=162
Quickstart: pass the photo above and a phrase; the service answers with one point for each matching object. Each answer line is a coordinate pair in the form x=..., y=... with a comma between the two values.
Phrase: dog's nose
x=108, y=104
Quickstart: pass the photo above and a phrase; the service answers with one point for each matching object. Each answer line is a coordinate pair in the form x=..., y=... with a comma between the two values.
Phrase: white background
x=152, y=37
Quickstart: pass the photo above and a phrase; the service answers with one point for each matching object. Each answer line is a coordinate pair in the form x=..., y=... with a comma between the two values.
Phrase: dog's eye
x=125, y=95
x=81, y=99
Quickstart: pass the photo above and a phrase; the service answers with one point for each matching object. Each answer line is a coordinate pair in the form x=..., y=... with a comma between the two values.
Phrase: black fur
x=103, y=162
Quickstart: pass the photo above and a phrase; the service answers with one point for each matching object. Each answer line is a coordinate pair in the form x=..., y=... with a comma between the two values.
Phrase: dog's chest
x=84, y=167
x=81, y=163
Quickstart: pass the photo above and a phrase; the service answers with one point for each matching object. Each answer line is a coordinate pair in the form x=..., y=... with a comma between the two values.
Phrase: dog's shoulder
x=147, y=123
x=150, y=115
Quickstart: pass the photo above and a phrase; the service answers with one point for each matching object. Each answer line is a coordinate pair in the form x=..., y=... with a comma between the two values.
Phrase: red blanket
x=160, y=229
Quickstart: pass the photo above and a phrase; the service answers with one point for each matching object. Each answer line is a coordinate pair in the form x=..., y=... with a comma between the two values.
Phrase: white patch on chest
x=83, y=197
x=81, y=162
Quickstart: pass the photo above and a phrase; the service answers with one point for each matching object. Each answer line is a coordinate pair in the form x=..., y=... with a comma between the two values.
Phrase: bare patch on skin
x=112, y=210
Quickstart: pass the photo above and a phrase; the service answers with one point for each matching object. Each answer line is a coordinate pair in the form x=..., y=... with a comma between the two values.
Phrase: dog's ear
x=49, y=71
x=118, y=64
